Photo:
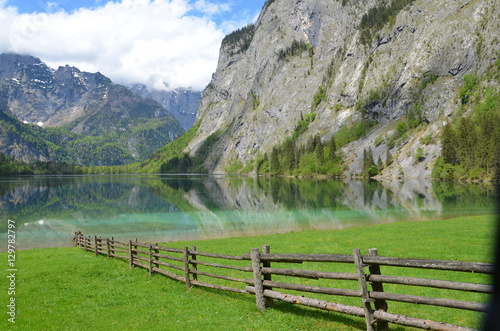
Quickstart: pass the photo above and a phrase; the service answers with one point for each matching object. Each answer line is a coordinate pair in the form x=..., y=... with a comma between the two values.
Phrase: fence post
x=150, y=260
x=157, y=251
x=364, y=290
x=108, y=248
x=266, y=249
x=131, y=254
x=257, y=276
x=95, y=244
x=186, y=267
x=195, y=266
x=380, y=304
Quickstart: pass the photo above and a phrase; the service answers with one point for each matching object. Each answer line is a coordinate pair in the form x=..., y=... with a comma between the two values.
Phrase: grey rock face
x=256, y=98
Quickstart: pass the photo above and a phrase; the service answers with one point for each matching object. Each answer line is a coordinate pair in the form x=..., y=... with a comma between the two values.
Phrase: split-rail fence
x=186, y=267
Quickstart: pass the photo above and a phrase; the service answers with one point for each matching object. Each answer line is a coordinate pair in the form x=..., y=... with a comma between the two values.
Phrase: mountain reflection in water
x=47, y=210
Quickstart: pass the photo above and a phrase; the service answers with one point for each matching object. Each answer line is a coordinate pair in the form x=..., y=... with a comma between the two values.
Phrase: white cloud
x=132, y=41
x=52, y=7
x=211, y=8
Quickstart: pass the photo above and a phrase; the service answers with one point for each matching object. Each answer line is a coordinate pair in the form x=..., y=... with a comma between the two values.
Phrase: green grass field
x=68, y=288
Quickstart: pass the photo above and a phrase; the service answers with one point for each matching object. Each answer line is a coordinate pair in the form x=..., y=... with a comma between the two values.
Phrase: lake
x=47, y=210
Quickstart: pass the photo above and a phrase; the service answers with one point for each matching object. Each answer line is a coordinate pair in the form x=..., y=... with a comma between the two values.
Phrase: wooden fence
x=186, y=265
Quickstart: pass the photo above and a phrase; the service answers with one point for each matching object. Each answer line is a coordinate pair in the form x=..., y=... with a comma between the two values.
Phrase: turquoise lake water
x=47, y=210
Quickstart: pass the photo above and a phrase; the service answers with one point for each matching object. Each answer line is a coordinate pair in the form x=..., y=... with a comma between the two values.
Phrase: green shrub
x=420, y=154
x=310, y=117
x=428, y=80
x=348, y=134
x=319, y=96
x=255, y=100
x=296, y=48
x=234, y=167
x=380, y=139
x=468, y=87
x=427, y=140
x=401, y=127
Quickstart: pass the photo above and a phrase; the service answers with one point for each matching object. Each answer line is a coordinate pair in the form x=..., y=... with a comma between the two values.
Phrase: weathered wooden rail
x=184, y=264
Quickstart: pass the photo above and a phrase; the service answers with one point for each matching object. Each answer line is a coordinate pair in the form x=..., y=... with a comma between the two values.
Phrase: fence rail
x=232, y=273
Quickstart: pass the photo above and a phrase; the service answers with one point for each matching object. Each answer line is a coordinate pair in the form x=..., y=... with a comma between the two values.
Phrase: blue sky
x=236, y=8
x=161, y=43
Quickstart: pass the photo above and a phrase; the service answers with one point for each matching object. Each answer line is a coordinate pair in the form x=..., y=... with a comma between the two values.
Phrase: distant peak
x=19, y=58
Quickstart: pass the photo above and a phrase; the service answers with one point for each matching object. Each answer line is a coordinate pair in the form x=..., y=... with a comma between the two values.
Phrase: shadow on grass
x=305, y=312
x=329, y=316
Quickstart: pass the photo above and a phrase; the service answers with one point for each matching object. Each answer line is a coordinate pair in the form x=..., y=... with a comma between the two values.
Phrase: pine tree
x=265, y=163
x=320, y=150
x=449, y=145
x=467, y=141
x=185, y=163
x=496, y=177
x=369, y=167
x=333, y=148
x=380, y=165
x=275, y=162
x=488, y=141
x=290, y=156
x=388, y=158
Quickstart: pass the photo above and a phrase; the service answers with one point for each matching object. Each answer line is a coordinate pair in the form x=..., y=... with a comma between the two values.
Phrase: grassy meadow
x=68, y=288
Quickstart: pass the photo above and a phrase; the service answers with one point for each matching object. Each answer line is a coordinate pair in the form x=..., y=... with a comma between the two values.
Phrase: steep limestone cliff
x=346, y=62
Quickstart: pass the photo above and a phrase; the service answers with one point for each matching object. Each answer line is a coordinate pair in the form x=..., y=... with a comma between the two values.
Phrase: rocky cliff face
x=346, y=62
x=129, y=126
x=182, y=103
x=36, y=93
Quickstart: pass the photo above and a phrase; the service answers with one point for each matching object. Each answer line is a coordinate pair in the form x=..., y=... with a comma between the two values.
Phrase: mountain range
x=388, y=89
x=86, y=118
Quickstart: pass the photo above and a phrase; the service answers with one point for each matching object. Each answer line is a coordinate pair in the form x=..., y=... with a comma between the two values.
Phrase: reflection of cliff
x=393, y=200
x=245, y=206
x=235, y=207
x=252, y=206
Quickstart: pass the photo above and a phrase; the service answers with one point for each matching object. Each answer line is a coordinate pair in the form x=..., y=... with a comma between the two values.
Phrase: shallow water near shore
x=47, y=210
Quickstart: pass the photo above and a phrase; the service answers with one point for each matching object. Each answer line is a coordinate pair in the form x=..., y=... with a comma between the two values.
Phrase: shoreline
x=246, y=237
